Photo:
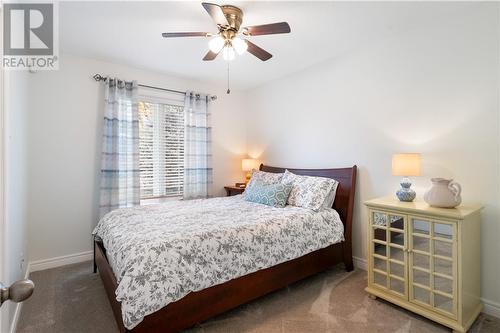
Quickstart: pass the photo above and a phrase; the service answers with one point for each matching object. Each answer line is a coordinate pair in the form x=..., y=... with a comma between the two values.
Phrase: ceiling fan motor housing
x=234, y=17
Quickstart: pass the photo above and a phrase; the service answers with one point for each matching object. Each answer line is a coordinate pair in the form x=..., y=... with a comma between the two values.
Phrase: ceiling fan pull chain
x=228, y=90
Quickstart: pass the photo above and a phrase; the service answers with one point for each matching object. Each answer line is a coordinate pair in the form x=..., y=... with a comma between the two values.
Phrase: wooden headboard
x=344, y=199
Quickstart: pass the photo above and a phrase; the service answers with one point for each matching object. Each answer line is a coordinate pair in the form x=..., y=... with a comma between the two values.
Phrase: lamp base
x=248, y=176
x=405, y=193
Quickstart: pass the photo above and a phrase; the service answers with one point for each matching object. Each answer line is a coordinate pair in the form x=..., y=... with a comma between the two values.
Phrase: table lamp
x=248, y=164
x=406, y=165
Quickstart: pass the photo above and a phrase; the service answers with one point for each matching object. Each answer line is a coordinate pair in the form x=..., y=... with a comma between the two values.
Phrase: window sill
x=152, y=201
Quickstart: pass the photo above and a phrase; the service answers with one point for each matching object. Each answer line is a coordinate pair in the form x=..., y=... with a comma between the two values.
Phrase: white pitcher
x=444, y=193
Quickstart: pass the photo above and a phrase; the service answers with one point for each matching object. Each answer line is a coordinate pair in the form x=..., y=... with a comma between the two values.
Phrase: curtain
x=197, y=147
x=120, y=182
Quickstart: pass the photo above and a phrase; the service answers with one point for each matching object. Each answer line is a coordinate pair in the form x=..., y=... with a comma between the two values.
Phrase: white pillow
x=264, y=178
x=330, y=198
x=307, y=191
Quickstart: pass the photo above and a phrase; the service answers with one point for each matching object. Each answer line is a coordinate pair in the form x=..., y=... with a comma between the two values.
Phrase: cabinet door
x=432, y=264
x=388, y=256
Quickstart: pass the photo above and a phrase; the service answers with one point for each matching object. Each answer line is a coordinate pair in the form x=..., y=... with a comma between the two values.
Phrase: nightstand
x=426, y=259
x=233, y=190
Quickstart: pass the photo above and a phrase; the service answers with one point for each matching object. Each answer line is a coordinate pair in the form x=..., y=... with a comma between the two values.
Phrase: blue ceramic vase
x=405, y=193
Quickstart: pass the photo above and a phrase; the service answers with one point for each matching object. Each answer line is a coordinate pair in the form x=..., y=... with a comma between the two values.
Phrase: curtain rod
x=99, y=77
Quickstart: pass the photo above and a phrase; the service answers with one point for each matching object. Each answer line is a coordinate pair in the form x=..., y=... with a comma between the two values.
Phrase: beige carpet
x=72, y=299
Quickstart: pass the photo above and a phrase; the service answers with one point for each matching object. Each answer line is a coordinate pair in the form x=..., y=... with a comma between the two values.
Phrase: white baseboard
x=19, y=306
x=491, y=308
x=360, y=263
x=40, y=265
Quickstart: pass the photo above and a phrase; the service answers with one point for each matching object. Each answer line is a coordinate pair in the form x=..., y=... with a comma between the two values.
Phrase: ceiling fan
x=228, y=40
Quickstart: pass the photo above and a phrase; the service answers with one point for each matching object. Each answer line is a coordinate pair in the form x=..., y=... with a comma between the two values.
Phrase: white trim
x=40, y=265
x=19, y=306
x=3, y=267
x=491, y=308
x=360, y=263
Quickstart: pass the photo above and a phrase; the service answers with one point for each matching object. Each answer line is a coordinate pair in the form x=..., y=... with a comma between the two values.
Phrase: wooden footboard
x=109, y=280
x=204, y=304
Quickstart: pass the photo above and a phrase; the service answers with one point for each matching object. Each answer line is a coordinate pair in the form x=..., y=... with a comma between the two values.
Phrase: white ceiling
x=130, y=33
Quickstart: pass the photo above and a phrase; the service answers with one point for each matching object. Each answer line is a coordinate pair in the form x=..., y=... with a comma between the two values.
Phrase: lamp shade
x=216, y=44
x=248, y=164
x=406, y=164
x=239, y=45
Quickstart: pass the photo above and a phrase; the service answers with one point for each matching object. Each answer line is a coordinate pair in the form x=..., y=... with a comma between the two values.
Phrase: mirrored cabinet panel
x=397, y=254
x=421, y=244
x=432, y=264
x=421, y=260
x=379, y=249
x=443, y=266
x=379, y=279
x=398, y=269
x=420, y=226
x=443, y=303
x=421, y=277
x=422, y=295
x=443, y=230
x=388, y=251
x=397, y=285
x=380, y=264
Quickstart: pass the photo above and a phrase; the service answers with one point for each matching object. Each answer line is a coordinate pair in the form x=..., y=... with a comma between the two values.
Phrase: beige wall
x=431, y=89
x=64, y=140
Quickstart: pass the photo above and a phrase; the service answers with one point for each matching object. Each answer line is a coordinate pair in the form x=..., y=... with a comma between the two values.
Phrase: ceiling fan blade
x=210, y=56
x=186, y=34
x=258, y=52
x=215, y=11
x=267, y=29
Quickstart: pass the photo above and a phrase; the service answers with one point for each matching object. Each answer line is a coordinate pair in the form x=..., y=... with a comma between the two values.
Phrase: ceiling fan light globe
x=216, y=44
x=239, y=45
x=228, y=53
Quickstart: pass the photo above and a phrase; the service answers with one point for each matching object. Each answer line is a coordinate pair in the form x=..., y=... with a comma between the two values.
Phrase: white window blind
x=161, y=149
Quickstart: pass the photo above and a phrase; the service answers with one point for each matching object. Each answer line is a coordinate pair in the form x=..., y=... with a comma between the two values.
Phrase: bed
x=193, y=300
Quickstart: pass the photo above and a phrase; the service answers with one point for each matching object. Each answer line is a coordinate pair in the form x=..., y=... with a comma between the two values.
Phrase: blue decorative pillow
x=274, y=195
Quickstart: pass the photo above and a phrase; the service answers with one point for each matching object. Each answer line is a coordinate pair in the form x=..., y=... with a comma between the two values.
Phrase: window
x=161, y=148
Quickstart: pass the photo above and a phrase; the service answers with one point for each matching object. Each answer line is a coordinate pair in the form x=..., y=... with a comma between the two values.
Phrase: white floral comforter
x=160, y=253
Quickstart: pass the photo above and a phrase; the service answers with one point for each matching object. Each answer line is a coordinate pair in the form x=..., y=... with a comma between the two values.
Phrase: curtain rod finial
x=98, y=77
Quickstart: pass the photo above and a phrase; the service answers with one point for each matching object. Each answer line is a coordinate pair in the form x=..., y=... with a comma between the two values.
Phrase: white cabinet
x=426, y=259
